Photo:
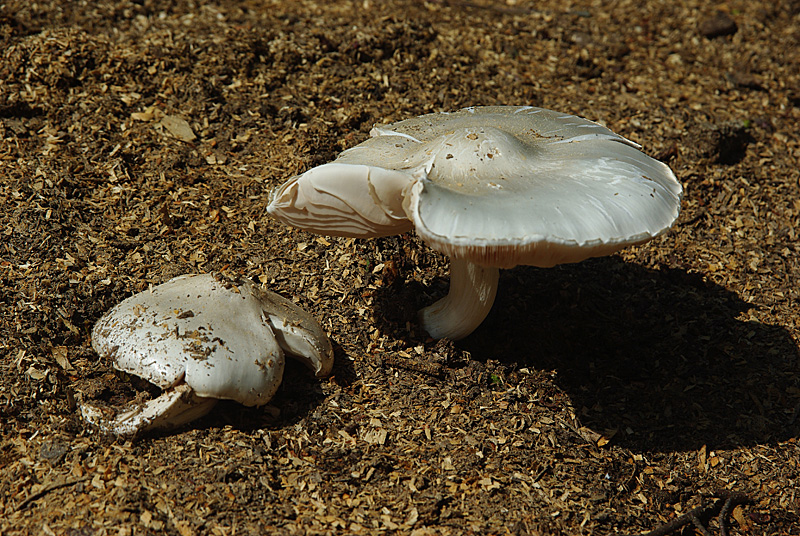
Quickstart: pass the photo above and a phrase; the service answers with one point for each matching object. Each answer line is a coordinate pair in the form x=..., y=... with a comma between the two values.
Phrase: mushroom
x=201, y=338
x=491, y=187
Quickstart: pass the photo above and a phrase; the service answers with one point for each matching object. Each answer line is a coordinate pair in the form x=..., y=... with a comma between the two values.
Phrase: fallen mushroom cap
x=494, y=187
x=203, y=338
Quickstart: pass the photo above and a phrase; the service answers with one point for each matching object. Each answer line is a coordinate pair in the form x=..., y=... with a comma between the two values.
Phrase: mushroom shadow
x=298, y=396
x=666, y=359
x=662, y=359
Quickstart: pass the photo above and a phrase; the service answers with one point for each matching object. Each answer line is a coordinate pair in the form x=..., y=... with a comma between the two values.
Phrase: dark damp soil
x=139, y=140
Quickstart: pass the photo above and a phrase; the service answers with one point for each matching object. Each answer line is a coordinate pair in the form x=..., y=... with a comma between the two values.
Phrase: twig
x=692, y=516
x=699, y=526
x=732, y=498
x=722, y=507
x=47, y=489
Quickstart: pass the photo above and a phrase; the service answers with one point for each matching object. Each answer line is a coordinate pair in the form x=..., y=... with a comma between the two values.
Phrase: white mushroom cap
x=222, y=339
x=495, y=186
x=537, y=188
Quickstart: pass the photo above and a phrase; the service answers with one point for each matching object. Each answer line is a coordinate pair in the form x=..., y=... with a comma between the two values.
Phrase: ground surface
x=600, y=398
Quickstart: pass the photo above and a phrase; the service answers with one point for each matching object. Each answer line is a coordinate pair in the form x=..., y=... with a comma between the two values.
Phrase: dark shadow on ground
x=664, y=358
x=299, y=395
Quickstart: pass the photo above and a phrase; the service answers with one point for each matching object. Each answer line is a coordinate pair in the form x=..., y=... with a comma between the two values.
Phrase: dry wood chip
x=178, y=127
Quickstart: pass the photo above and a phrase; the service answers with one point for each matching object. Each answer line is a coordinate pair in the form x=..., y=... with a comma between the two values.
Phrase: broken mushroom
x=201, y=338
x=491, y=187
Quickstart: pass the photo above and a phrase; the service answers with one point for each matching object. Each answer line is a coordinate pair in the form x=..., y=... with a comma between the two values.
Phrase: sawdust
x=139, y=141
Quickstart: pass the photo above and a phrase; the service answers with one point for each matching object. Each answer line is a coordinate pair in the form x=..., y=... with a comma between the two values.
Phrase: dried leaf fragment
x=178, y=127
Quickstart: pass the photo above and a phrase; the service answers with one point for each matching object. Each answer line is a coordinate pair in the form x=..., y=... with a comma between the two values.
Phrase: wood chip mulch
x=653, y=391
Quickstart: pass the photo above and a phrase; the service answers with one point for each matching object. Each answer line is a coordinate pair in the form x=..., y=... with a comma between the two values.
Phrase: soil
x=139, y=140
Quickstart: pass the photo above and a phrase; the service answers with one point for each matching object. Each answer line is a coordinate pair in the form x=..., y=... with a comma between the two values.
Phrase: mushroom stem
x=472, y=291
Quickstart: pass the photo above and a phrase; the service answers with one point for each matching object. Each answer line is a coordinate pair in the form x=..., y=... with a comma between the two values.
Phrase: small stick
x=47, y=489
x=692, y=516
x=699, y=525
x=722, y=507
x=732, y=498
